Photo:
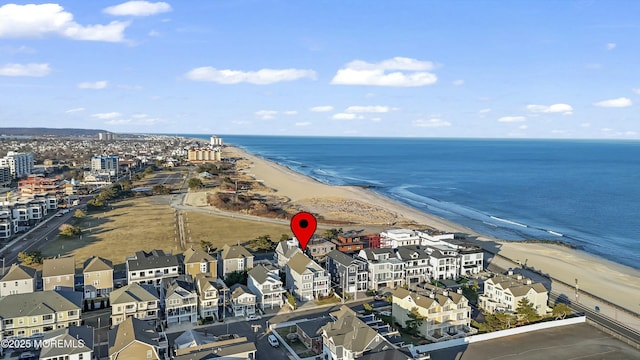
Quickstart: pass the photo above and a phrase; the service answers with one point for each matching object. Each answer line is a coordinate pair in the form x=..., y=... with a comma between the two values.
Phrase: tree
x=79, y=214
x=291, y=300
x=207, y=246
x=263, y=243
x=236, y=277
x=415, y=321
x=69, y=230
x=30, y=257
x=332, y=233
x=368, y=308
x=561, y=310
x=526, y=311
x=195, y=183
x=160, y=189
x=284, y=237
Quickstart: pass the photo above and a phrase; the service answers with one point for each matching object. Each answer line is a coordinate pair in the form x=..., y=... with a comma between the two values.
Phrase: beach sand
x=617, y=283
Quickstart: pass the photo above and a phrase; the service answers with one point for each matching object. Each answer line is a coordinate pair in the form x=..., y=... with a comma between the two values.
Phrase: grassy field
x=146, y=224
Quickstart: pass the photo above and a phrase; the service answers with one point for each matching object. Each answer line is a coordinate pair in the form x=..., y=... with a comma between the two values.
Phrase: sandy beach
x=616, y=283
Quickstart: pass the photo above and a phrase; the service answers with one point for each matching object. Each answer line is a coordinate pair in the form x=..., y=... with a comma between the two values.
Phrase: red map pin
x=303, y=225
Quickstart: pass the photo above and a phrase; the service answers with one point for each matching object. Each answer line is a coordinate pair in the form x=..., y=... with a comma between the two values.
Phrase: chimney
x=510, y=272
x=519, y=277
x=445, y=293
x=432, y=295
x=528, y=281
x=459, y=291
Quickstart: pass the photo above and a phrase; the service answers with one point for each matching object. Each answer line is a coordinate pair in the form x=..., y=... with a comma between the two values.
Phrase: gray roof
x=369, y=253
x=58, y=267
x=34, y=304
x=96, y=263
x=238, y=290
x=341, y=257
x=192, y=256
x=349, y=331
x=259, y=274
x=152, y=260
x=234, y=252
x=193, y=337
x=133, y=292
x=390, y=354
x=313, y=327
x=181, y=285
x=518, y=287
x=19, y=272
x=130, y=330
x=405, y=252
x=288, y=250
x=69, y=335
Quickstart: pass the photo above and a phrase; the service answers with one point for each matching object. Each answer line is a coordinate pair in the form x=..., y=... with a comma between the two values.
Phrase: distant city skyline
x=525, y=69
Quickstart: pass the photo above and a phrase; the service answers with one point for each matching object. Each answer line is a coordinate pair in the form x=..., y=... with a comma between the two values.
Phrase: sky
x=476, y=68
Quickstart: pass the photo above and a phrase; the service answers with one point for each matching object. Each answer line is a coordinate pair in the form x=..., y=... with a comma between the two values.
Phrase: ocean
x=585, y=193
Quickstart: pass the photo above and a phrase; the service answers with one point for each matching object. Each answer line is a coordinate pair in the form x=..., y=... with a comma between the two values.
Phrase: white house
x=266, y=284
x=180, y=301
x=243, y=301
x=285, y=251
x=384, y=267
x=393, y=238
x=416, y=263
x=18, y=280
x=150, y=268
x=306, y=279
x=503, y=292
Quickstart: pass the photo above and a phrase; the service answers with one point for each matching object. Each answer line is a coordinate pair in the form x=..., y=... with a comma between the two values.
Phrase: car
x=273, y=341
x=58, y=214
x=253, y=317
x=385, y=313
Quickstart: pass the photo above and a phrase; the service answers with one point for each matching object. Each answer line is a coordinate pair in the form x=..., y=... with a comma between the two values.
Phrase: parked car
x=253, y=317
x=273, y=341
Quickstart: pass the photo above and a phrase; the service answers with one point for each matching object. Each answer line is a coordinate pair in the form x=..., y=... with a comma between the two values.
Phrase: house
x=471, y=256
x=347, y=337
x=348, y=242
x=243, y=301
x=444, y=262
x=371, y=241
x=285, y=251
x=180, y=300
x=199, y=262
x=265, y=283
x=24, y=315
x=134, y=300
x=233, y=258
x=306, y=279
x=18, y=280
x=347, y=272
x=210, y=292
x=98, y=277
x=384, y=268
x=416, y=263
x=77, y=340
x=447, y=314
x=310, y=332
x=59, y=274
x=318, y=249
x=393, y=238
x=195, y=345
x=150, y=268
x=503, y=292
x=137, y=339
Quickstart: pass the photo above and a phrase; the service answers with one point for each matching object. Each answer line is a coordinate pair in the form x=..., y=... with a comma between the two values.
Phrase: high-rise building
x=19, y=164
x=216, y=141
x=104, y=165
x=105, y=136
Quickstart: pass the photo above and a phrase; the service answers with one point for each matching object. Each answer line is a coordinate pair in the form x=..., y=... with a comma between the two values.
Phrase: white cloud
x=484, y=111
x=290, y=112
x=636, y=90
x=75, y=110
x=565, y=109
x=510, y=119
x=241, y=122
x=405, y=72
x=345, y=116
x=118, y=122
x=368, y=109
x=96, y=85
x=32, y=70
x=266, y=114
x=611, y=46
x=458, y=82
x=36, y=21
x=614, y=103
x=138, y=8
x=303, y=123
x=153, y=33
x=376, y=120
x=107, y=116
x=432, y=123
x=17, y=50
x=325, y=108
x=260, y=77
x=585, y=124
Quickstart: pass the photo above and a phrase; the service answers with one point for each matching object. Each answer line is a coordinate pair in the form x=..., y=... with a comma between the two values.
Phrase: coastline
x=598, y=276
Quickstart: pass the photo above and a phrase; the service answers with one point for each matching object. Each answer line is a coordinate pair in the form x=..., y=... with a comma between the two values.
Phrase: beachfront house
x=471, y=257
x=348, y=242
x=447, y=314
x=383, y=267
x=306, y=279
x=416, y=263
x=265, y=283
x=150, y=268
x=19, y=279
x=393, y=238
x=349, y=274
x=233, y=258
x=444, y=262
x=134, y=300
x=503, y=292
x=59, y=274
x=317, y=249
x=285, y=251
x=179, y=300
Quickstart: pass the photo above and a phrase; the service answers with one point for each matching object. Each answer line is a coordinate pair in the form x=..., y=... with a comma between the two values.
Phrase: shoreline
x=598, y=276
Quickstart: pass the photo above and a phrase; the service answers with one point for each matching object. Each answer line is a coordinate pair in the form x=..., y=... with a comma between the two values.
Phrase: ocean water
x=582, y=192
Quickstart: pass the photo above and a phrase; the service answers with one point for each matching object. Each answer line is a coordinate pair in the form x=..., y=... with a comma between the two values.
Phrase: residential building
x=306, y=279
x=233, y=258
x=150, y=268
x=371, y=241
x=180, y=300
x=199, y=262
x=384, y=267
x=203, y=155
x=24, y=315
x=19, y=164
x=105, y=165
x=265, y=283
x=215, y=141
x=98, y=277
x=444, y=262
x=310, y=332
x=211, y=292
x=447, y=314
x=347, y=337
x=243, y=301
x=348, y=242
x=8, y=224
x=431, y=237
x=349, y=274
x=137, y=339
x=393, y=238
x=106, y=136
x=5, y=175
x=38, y=184
x=416, y=263
x=471, y=256
x=503, y=292
x=59, y=274
x=77, y=340
x=134, y=300
x=193, y=345
x=318, y=249
x=285, y=251
x=18, y=280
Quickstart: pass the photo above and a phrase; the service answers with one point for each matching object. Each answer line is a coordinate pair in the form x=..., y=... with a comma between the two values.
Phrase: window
x=149, y=354
x=204, y=267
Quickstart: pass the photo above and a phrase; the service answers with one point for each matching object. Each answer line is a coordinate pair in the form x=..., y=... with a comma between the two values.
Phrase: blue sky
x=506, y=69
